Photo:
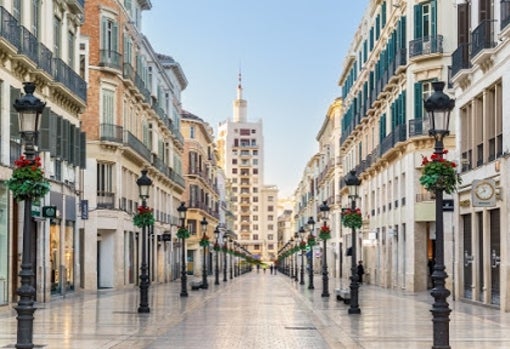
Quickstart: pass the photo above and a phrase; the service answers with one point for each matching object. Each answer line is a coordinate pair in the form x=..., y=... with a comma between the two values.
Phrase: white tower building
x=254, y=204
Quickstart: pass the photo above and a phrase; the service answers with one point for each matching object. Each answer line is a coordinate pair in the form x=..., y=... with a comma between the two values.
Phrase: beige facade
x=480, y=73
x=39, y=43
x=201, y=195
x=132, y=123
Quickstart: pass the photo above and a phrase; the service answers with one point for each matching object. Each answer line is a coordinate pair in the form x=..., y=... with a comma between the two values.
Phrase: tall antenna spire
x=240, y=84
x=240, y=103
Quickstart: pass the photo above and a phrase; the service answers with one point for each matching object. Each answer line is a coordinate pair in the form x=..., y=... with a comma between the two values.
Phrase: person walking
x=360, y=270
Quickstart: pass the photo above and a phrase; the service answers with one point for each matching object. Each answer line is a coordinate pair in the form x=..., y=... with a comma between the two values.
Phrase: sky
x=290, y=54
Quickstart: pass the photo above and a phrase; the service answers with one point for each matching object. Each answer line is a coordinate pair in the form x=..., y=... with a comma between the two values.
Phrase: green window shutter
x=83, y=150
x=65, y=138
x=53, y=133
x=44, y=131
x=383, y=14
x=418, y=102
x=70, y=143
x=433, y=10
x=59, y=152
x=104, y=33
x=115, y=37
x=404, y=117
x=14, y=123
x=76, y=149
x=378, y=27
x=418, y=30
x=404, y=32
x=371, y=38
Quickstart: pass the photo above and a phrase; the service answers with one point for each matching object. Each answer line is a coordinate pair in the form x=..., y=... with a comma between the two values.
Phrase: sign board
x=49, y=211
x=84, y=209
x=36, y=208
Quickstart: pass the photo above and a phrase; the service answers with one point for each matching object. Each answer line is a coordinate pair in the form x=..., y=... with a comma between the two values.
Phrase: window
x=36, y=17
x=192, y=132
x=57, y=36
x=270, y=198
x=104, y=179
x=270, y=227
x=244, y=132
x=255, y=218
x=17, y=9
x=270, y=217
x=270, y=236
x=234, y=161
x=234, y=171
x=109, y=35
x=255, y=236
x=270, y=208
x=108, y=101
x=256, y=247
x=425, y=19
x=70, y=49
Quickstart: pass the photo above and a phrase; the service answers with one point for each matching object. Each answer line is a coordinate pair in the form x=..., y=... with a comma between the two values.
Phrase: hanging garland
x=27, y=181
x=144, y=217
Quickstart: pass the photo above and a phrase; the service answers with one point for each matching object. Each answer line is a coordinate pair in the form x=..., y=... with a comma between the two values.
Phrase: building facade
x=133, y=123
x=400, y=48
x=481, y=78
x=201, y=196
x=240, y=144
x=39, y=42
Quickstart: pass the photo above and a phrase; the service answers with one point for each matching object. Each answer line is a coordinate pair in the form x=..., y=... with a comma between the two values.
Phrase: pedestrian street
x=254, y=310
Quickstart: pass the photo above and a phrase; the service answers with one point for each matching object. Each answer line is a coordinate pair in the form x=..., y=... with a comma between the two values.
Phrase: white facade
x=241, y=150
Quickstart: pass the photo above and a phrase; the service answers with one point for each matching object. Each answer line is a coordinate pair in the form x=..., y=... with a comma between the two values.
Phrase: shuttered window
x=108, y=110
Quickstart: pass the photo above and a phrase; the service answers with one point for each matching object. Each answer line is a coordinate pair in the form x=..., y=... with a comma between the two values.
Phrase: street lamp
x=225, y=247
x=302, y=234
x=311, y=224
x=182, y=215
x=296, y=245
x=230, y=268
x=203, y=224
x=324, y=208
x=439, y=106
x=29, y=110
x=216, y=268
x=144, y=183
x=353, y=182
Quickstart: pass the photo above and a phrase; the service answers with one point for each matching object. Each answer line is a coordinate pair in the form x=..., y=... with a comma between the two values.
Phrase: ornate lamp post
x=230, y=266
x=182, y=209
x=203, y=224
x=439, y=106
x=216, y=267
x=324, y=208
x=29, y=110
x=302, y=271
x=353, y=182
x=144, y=183
x=225, y=247
x=296, y=245
x=311, y=224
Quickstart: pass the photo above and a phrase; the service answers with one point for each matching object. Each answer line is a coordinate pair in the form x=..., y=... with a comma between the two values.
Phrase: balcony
x=417, y=127
x=482, y=37
x=105, y=200
x=69, y=78
x=426, y=46
x=29, y=45
x=135, y=144
x=110, y=59
x=111, y=133
x=460, y=58
x=10, y=29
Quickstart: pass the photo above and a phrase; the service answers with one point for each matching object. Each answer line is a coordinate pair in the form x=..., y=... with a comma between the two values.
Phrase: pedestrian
x=258, y=267
x=360, y=270
x=271, y=269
